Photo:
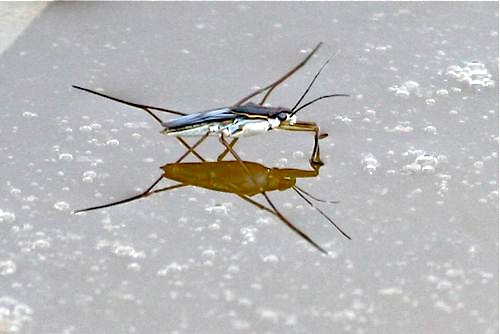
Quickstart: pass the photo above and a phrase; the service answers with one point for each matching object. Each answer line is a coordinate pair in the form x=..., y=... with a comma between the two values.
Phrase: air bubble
x=478, y=164
x=61, y=206
x=6, y=216
x=85, y=128
x=65, y=156
x=7, y=268
x=89, y=176
x=298, y=155
x=28, y=114
x=424, y=163
x=473, y=73
x=430, y=102
x=431, y=129
x=370, y=164
x=13, y=315
x=113, y=142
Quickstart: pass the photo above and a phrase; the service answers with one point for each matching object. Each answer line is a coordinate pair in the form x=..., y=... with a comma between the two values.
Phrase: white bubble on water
x=13, y=315
x=85, y=128
x=7, y=267
x=298, y=155
x=7, y=217
x=65, y=156
x=61, y=206
x=430, y=129
x=472, y=73
x=89, y=176
x=113, y=142
x=171, y=268
x=28, y=114
x=370, y=163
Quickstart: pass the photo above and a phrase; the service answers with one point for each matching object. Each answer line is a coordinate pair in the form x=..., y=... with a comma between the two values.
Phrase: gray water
x=412, y=156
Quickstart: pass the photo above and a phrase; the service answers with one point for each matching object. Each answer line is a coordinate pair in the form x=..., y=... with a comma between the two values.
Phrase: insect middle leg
x=308, y=127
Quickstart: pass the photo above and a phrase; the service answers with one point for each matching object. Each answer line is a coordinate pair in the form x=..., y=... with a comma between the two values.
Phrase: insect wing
x=204, y=117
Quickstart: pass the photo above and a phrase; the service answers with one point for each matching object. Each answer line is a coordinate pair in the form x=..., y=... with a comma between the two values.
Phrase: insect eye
x=282, y=116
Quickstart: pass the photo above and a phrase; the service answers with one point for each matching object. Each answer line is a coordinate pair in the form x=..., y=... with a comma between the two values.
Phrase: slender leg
x=308, y=127
x=132, y=104
x=226, y=151
x=191, y=148
x=271, y=87
x=124, y=200
x=276, y=213
x=133, y=198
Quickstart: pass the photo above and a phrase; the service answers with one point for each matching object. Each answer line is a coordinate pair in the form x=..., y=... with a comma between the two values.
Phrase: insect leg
x=274, y=210
x=143, y=194
x=191, y=148
x=276, y=213
x=136, y=105
x=226, y=151
x=309, y=127
x=271, y=87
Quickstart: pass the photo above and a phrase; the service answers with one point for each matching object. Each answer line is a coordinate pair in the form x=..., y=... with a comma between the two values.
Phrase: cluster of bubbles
x=406, y=89
x=424, y=163
x=472, y=73
x=13, y=315
x=370, y=163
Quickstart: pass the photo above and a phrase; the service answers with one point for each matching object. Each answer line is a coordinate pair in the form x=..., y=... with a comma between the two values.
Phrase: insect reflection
x=245, y=179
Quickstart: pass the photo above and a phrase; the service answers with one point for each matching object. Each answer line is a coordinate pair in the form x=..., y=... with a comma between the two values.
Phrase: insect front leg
x=308, y=127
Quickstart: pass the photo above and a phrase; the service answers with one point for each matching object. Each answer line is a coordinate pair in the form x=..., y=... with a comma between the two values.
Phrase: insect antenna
x=132, y=104
x=315, y=100
x=314, y=197
x=310, y=84
x=322, y=213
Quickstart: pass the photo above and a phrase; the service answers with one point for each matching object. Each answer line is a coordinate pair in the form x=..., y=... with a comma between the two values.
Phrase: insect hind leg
x=132, y=104
x=269, y=88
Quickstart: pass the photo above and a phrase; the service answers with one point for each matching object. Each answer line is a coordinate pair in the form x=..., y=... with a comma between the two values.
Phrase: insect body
x=242, y=178
x=241, y=119
x=233, y=122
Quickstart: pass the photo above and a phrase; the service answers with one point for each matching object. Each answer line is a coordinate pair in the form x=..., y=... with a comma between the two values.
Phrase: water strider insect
x=241, y=119
x=242, y=178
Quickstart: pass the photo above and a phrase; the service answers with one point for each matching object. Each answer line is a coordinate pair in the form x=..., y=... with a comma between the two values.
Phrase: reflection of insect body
x=238, y=120
x=242, y=178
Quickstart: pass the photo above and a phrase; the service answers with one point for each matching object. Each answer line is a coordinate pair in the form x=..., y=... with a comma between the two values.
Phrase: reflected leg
x=191, y=148
x=146, y=193
x=276, y=213
x=308, y=127
x=226, y=151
